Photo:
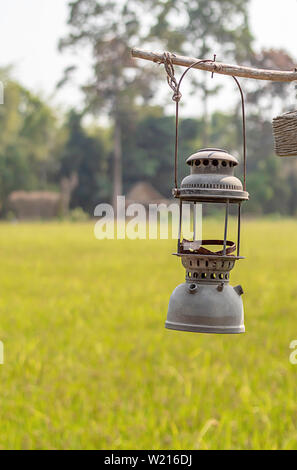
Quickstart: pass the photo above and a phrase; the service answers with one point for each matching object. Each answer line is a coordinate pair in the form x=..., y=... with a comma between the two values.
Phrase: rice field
x=88, y=363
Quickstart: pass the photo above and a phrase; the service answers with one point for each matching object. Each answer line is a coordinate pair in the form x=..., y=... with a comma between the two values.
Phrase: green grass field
x=89, y=364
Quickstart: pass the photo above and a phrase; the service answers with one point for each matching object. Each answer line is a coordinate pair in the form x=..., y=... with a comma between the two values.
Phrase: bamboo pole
x=219, y=67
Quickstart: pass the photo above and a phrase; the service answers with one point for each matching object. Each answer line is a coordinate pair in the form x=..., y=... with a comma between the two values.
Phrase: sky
x=30, y=30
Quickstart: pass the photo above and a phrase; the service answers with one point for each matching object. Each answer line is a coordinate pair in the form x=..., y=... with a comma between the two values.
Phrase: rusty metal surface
x=192, y=247
x=205, y=269
x=212, y=154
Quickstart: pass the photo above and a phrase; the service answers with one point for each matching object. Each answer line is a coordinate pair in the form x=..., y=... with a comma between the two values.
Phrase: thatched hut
x=34, y=204
x=42, y=204
x=144, y=193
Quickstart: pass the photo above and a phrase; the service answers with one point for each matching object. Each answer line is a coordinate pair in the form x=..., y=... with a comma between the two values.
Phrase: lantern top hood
x=211, y=155
x=211, y=178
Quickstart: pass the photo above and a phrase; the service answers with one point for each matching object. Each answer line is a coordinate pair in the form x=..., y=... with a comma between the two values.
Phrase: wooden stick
x=219, y=67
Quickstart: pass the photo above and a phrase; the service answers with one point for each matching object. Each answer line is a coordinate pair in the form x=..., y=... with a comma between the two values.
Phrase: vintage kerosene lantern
x=206, y=302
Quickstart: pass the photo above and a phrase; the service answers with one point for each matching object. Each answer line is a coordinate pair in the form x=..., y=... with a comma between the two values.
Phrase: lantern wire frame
x=175, y=86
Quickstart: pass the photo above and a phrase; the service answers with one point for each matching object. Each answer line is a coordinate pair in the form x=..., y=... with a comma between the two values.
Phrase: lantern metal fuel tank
x=206, y=302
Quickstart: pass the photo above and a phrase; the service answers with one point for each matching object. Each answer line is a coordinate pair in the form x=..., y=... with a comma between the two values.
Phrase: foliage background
x=39, y=145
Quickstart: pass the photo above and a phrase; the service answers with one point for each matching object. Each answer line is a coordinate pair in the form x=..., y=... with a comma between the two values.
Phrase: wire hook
x=175, y=86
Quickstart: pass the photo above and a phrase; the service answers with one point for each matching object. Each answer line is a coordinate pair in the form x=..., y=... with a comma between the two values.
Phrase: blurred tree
x=38, y=133
x=222, y=131
x=270, y=181
x=86, y=156
x=267, y=182
x=263, y=96
x=27, y=139
x=208, y=27
x=111, y=28
x=148, y=149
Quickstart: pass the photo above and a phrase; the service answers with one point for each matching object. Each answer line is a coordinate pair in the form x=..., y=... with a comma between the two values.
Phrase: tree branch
x=219, y=67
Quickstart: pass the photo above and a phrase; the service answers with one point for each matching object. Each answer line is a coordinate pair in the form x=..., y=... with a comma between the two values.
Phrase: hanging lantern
x=206, y=302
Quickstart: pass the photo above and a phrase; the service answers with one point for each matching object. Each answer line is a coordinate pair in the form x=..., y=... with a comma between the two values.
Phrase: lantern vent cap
x=212, y=154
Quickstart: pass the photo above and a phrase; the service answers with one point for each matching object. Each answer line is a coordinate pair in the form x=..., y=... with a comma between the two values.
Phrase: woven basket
x=285, y=134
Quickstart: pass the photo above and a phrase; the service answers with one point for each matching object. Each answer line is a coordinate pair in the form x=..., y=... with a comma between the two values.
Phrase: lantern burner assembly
x=206, y=302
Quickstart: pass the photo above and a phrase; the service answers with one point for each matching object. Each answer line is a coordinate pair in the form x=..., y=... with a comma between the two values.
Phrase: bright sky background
x=30, y=30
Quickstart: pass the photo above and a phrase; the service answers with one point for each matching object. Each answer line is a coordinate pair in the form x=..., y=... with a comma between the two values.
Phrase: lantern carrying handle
x=175, y=86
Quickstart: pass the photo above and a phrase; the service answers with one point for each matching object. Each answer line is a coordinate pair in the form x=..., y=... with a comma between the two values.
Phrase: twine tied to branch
x=171, y=80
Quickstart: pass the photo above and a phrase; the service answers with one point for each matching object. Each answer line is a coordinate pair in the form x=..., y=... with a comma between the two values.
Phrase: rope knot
x=176, y=96
x=171, y=80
